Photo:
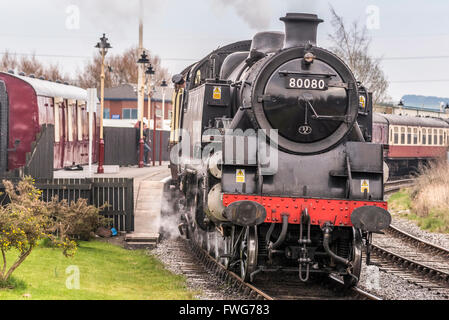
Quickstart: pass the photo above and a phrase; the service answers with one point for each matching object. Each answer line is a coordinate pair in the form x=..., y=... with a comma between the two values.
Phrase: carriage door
x=4, y=119
x=59, y=133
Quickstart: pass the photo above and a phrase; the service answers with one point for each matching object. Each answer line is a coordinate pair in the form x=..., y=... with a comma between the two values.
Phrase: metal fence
x=121, y=146
x=118, y=193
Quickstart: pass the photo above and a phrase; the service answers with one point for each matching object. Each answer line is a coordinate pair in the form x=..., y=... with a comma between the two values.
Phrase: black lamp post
x=143, y=61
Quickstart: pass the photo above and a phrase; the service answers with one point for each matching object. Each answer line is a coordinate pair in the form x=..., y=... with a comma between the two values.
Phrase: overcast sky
x=412, y=36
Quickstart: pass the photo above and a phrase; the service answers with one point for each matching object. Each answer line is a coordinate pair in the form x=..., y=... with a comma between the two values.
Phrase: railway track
x=395, y=186
x=417, y=261
x=397, y=252
x=281, y=288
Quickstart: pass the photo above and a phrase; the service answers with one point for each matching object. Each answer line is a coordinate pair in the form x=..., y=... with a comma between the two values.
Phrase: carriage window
x=396, y=135
x=80, y=119
x=415, y=135
x=57, y=126
x=85, y=123
x=409, y=135
x=435, y=137
x=74, y=133
x=402, y=135
x=429, y=136
x=441, y=137
x=424, y=136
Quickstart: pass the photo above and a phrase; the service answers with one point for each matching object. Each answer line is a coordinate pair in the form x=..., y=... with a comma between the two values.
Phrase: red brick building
x=121, y=103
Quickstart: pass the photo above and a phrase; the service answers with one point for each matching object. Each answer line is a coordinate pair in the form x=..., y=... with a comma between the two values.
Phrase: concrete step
x=140, y=245
x=142, y=237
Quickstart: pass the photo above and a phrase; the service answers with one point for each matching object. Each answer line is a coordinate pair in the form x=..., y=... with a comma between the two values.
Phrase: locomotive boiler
x=272, y=159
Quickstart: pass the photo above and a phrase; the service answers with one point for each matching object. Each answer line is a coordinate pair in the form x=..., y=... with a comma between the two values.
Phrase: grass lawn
x=436, y=220
x=107, y=272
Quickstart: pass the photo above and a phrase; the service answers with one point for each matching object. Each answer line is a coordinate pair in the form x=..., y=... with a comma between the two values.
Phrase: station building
x=417, y=106
x=120, y=103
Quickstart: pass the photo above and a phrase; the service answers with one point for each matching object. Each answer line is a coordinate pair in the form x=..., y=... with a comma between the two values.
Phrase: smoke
x=110, y=13
x=256, y=13
x=305, y=6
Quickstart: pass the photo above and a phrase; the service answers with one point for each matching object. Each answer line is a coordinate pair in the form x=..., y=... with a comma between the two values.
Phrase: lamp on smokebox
x=103, y=47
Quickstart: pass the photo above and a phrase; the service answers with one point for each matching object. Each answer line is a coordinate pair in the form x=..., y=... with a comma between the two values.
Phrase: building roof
x=129, y=92
x=394, y=119
x=424, y=103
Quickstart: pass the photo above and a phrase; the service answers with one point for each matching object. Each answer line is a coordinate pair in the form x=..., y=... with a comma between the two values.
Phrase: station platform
x=148, y=191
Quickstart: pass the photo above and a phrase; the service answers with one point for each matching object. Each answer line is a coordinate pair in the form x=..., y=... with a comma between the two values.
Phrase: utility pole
x=141, y=84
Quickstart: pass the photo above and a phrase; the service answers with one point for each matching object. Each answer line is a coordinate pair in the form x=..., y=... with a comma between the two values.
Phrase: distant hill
x=411, y=100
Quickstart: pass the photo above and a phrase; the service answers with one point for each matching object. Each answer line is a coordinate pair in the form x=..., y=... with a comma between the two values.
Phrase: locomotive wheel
x=248, y=253
x=356, y=258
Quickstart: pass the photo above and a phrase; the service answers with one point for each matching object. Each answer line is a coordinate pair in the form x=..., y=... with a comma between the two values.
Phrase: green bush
x=77, y=220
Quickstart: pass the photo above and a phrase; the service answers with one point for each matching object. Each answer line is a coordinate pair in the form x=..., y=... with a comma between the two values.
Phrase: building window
x=129, y=113
x=106, y=113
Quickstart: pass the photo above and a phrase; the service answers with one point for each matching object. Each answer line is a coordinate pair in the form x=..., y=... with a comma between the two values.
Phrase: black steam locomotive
x=272, y=156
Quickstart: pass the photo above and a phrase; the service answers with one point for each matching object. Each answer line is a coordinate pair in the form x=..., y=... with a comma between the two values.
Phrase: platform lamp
x=150, y=72
x=163, y=86
x=103, y=46
x=400, y=105
x=143, y=61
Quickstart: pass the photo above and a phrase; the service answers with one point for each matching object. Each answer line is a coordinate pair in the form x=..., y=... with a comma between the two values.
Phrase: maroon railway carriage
x=410, y=141
x=30, y=106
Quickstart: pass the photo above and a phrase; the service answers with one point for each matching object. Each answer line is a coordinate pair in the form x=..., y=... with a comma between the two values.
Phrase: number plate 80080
x=306, y=83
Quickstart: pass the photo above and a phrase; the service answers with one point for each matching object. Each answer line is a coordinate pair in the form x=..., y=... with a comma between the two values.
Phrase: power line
x=415, y=58
x=420, y=81
x=195, y=59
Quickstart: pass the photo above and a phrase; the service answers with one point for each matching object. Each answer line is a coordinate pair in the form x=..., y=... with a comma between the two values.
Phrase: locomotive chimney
x=300, y=29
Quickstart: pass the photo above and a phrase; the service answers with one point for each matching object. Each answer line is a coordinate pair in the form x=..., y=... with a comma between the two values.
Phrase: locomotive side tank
x=272, y=156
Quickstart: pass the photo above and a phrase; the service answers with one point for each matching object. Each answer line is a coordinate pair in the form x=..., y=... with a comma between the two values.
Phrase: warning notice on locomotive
x=240, y=176
x=365, y=186
x=217, y=93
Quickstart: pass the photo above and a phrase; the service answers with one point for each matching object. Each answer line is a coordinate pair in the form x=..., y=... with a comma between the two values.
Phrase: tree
x=24, y=221
x=120, y=69
x=351, y=43
x=31, y=65
x=8, y=62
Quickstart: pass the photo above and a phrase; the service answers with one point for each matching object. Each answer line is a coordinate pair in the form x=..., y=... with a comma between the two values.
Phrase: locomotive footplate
x=319, y=211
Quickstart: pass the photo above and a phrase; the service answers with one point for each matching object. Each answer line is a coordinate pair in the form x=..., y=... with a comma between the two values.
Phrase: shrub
x=76, y=220
x=24, y=221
